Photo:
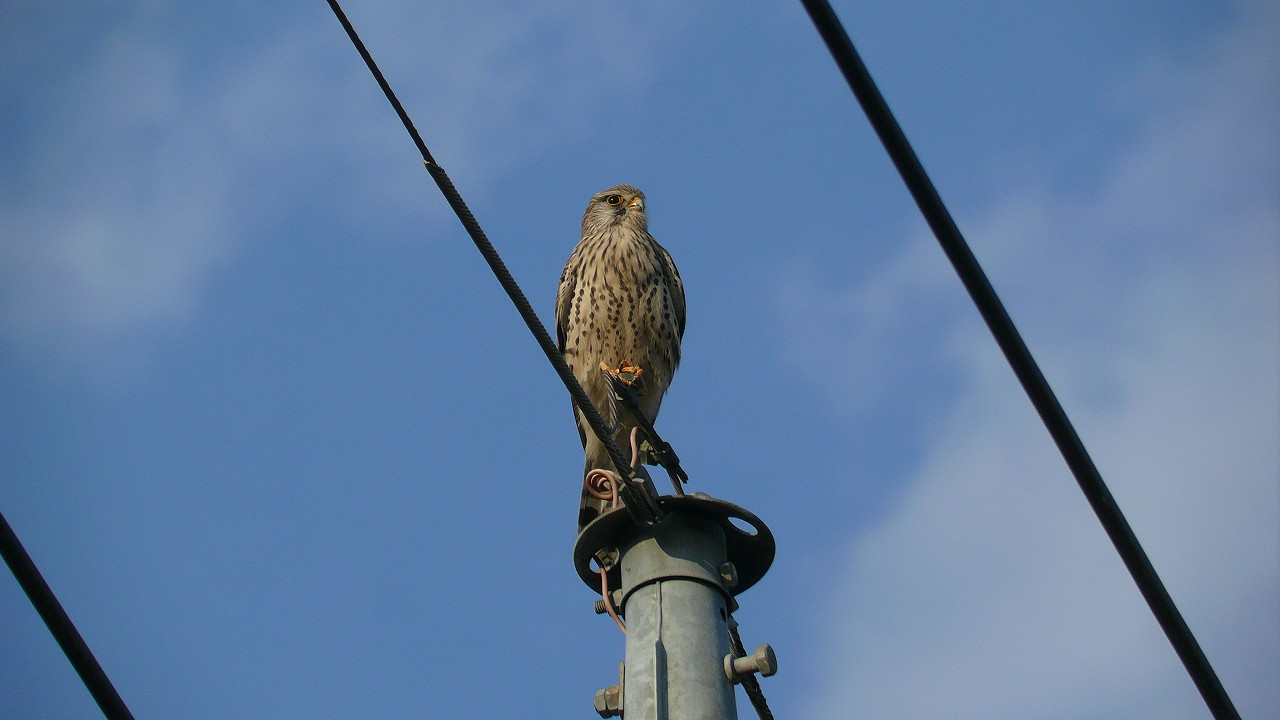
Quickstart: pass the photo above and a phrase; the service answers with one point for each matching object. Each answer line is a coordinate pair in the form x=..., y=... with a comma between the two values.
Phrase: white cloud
x=988, y=589
x=123, y=210
x=152, y=168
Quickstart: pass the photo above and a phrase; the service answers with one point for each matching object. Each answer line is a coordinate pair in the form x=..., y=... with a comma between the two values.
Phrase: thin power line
x=1020, y=359
x=64, y=631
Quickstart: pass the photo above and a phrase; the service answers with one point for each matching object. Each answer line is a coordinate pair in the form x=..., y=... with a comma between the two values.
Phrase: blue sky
x=283, y=449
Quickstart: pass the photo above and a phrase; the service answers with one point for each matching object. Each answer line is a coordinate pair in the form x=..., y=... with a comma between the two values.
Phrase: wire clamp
x=762, y=661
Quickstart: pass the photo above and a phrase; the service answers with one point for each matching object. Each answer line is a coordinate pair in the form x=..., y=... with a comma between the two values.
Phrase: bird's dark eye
x=614, y=199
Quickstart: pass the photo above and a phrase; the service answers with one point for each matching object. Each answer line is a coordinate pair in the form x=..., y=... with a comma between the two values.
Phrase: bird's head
x=619, y=205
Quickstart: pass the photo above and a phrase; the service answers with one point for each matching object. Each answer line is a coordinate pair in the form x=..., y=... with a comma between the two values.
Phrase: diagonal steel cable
x=60, y=625
x=1020, y=360
x=665, y=455
x=643, y=508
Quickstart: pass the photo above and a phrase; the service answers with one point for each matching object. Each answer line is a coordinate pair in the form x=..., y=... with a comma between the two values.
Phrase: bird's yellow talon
x=630, y=375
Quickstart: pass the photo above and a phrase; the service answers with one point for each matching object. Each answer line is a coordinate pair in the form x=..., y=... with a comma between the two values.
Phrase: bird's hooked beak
x=637, y=203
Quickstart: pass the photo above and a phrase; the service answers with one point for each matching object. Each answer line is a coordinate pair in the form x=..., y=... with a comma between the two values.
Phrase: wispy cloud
x=100, y=232
x=124, y=202
x=988, y=589
x=162, y=156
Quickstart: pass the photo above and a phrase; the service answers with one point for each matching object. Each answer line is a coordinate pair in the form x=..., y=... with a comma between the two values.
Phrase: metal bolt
x=762, y=661
x=729, y=573
x=609, y=701
x=615, y=596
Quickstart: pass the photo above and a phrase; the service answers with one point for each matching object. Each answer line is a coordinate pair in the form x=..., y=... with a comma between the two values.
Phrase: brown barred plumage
x=620, y=303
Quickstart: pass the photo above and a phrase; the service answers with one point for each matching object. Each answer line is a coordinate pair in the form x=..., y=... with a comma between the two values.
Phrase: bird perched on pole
x=620, y=312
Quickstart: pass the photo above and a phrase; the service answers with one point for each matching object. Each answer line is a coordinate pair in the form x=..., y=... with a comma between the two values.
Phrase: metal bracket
x=749, y=544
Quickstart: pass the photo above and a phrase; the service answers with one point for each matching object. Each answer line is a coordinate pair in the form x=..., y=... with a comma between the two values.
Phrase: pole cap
x=749, y=544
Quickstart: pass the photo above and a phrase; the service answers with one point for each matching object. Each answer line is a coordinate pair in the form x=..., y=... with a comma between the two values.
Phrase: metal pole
x=675, y=581
x=677, y=622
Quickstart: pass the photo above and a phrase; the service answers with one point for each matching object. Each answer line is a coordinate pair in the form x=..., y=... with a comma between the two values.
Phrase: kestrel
x=619, y=309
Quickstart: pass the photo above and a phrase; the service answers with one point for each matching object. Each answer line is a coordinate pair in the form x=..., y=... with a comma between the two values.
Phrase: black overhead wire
x=642, y=507
x=664, y=454
x=1020, y=359
x=60, y=625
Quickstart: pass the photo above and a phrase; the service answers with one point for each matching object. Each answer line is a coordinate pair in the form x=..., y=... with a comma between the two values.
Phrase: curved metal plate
x=748, y=542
